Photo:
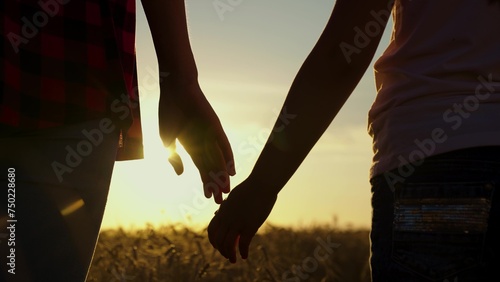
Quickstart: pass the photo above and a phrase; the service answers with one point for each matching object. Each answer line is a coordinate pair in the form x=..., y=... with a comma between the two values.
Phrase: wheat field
x=177, y=253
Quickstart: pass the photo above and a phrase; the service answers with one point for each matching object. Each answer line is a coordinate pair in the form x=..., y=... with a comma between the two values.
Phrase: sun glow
x=149, y=191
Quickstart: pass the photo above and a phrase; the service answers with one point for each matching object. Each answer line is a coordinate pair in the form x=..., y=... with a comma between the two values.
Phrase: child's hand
x=239, y=218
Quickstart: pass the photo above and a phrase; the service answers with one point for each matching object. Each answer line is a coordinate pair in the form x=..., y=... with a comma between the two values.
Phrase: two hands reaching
x=186, y=115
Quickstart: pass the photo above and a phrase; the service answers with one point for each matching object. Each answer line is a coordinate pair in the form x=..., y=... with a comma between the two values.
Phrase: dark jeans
x=50, y=216
x=438, y=220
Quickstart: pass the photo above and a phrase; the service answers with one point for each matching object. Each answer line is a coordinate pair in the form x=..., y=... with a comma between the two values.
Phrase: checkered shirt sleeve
x=67, y=61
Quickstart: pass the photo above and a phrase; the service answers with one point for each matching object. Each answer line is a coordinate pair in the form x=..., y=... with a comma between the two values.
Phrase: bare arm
x=320, y=89
x=168, y=25
x=184, y=112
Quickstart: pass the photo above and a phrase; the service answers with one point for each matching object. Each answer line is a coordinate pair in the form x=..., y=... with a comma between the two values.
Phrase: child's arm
x=324, y=82
x=184, y=112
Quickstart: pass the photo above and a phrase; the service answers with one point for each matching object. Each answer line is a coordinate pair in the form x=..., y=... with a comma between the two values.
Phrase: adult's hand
x=187, y=116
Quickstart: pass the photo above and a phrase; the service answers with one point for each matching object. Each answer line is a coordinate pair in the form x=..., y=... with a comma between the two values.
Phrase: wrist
x=176, y=80
x=263, y=185
x=180, y=65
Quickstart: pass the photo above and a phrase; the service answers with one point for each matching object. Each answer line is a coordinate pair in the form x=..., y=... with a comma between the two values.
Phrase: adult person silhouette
x=436, y=137
x=69, y=108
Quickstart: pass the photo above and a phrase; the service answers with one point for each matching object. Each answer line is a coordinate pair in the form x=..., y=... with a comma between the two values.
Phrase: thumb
x=174, y=159
x=169, y=138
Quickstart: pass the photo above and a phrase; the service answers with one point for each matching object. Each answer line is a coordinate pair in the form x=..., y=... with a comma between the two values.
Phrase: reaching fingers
x=225, y=240
x=200, y=164
x=211, y=165
x=244, y=244
x=230, y=244
x=228, y=240
x=175, y=160
x=215, y=180
x=210, y=188
x=213, y=228
x=217, y=167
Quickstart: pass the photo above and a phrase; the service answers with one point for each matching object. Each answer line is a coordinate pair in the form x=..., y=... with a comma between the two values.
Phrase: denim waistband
x=459, y=165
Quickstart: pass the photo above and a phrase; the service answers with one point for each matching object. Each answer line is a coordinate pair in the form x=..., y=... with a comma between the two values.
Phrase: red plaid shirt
x=68, y=61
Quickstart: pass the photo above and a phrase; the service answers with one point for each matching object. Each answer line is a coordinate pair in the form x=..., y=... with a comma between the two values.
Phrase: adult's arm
x=184, y=112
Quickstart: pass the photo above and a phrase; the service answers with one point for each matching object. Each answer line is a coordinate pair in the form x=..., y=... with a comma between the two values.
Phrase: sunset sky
x=247, y=58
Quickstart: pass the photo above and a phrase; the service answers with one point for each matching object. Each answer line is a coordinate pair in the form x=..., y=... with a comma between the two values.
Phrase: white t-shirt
x=438, y=82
